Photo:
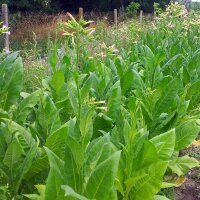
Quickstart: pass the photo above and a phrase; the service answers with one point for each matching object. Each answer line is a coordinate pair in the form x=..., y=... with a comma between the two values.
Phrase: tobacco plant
x=106, y=126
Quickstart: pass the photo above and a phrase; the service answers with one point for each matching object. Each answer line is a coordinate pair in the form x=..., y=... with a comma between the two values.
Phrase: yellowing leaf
x=180, y=181
x=195, y=144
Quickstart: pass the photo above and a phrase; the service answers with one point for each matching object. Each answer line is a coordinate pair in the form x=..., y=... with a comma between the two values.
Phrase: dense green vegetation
x=109, y=120
x=56, y=5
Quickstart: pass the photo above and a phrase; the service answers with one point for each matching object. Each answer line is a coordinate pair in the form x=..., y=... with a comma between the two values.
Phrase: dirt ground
x=190, y=190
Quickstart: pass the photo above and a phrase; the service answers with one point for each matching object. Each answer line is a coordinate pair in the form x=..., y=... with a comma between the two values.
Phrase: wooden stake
x=115, y=17
x=5, y=23
x=80, y=13
x=141, y=16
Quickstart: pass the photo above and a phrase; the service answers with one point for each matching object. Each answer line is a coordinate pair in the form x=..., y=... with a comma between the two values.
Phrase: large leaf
x=94, y=150
x=48, y=119
x=86, y=124
x=3, y=146
x=55, y=178
x=11, y=74
x=131, y=80
x=18, y=165
x=149, y=62
x=57, y=81
x=22, y=134
x=147, y=187
x=167, y=99
x=101, y=181
x=186, y=134
x=13, y=154
x=40, y=196
x=25, y=107
x=73, y=164
x=71, y=193
x=73, y=97
x=114, y=101
x=182, y=165
x=25, y=165
x=88, y=84
x=164, y=144
x=159, y=197
x=56, y=143
x=147, y=155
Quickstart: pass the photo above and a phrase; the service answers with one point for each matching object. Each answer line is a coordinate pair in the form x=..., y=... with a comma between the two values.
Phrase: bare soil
x=190, y=190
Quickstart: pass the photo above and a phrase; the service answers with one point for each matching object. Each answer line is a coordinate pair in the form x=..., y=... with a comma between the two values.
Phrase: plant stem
x=77, y=73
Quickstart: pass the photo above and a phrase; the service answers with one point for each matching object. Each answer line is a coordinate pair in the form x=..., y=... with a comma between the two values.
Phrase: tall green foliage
x=103, y=127
x=56, y=5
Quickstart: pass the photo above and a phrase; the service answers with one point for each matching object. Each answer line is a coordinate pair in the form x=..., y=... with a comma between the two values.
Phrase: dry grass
x=42, y=25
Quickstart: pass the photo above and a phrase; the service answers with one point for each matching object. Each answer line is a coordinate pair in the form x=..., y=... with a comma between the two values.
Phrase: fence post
x=5, y=23
x=115, y=17
x=80, y=13
x=141, y=16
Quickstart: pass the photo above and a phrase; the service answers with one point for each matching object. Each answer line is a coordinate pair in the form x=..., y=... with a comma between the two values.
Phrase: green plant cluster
x=132, y=9
x=104, y=126
x=58, y=5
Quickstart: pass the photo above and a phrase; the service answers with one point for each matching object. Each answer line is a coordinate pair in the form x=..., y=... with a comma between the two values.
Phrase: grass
x=33, y=74
x=41, y=26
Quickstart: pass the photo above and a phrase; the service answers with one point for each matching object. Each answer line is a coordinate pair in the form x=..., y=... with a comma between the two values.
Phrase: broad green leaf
x=138, y=82
x=114, y=101
x=147, y=187
x=159, y=197
x=3, y=113
x=57, y=81
x=165, y=144
x=168, y=96
x=167, y=185
x=101, y=122
x=56, y=177
x=149, y=61
x=170, y=61
x=21, y=133
x=126, y=81
x=13, y=154
x=98, y=151
x=130, y=182
x=25, y=107
x=95, y=148
x=131, y=80
x=40, y=196
x=48, y=119
x=3, y=146
x=73, y=97
x=77, y=152
x=147, y=155
x=182, y=165
x=86, y=124
x=193, y=94
x=186, y=75
x=193, y=89
x=186, y=134
x=73, y=161
x=11, y=83
x=88, y=84
x=25, y=165
x=53, y=58
x=56, y=143
x=119, y=63
x=101, y=181
x=70, y=192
